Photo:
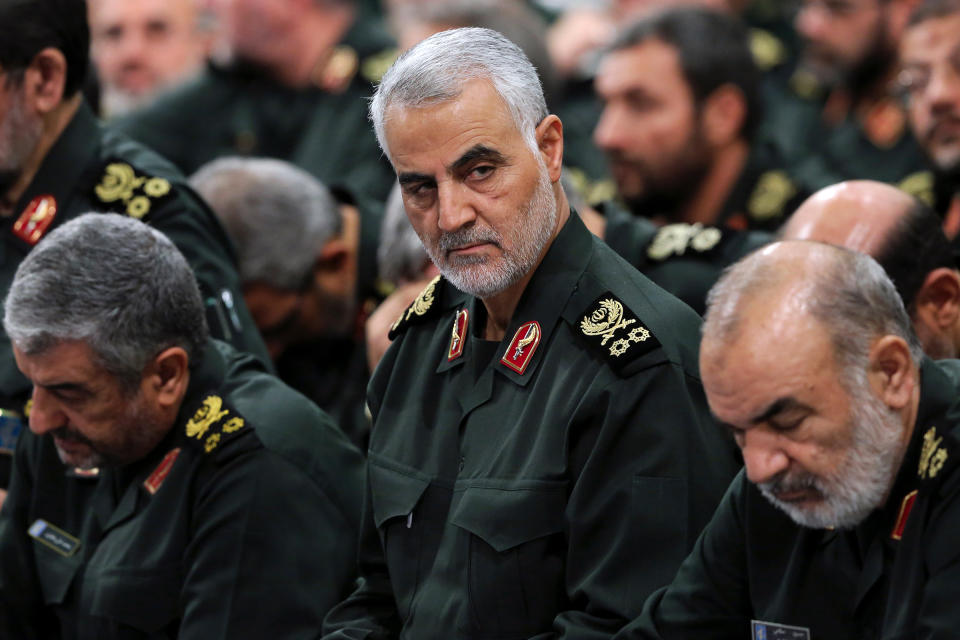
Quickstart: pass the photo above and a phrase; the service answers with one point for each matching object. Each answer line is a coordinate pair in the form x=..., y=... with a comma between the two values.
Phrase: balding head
x=858, y=215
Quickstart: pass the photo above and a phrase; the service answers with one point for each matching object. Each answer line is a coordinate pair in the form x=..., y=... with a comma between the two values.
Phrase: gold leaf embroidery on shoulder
x=675, y=238
x=773, y=191
x=233, y=424
x=424, y=301
x=208, y=413
x=212, y=441
x=120, y=183
x=932, y=455
x=605, y=320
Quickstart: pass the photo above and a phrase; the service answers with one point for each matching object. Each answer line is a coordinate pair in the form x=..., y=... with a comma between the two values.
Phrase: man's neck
x=54, y=124
x=500, y=307
x=707, y=201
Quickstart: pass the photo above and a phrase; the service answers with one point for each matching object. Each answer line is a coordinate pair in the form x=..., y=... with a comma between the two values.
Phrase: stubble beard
x=862, y=482
x=19, y=136
x=484, y=276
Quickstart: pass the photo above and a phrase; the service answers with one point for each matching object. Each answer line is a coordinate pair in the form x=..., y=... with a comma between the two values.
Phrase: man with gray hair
x=541, y=456
x=306, y=266
x=843, y=523
x=168, y=486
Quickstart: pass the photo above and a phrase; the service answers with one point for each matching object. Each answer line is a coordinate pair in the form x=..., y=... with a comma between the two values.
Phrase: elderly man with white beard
x=843, y=523
x=542, y=456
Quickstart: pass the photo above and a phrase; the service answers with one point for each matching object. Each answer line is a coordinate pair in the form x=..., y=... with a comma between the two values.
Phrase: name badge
x=54, y=538
x=772, y=631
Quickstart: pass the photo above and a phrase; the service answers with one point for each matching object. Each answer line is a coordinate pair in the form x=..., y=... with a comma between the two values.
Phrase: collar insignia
x=35, y=219
x=932, y=455
x=458, y=336
x=152, y=483
x=905, y=508
x=522, y=347
x=128, y=192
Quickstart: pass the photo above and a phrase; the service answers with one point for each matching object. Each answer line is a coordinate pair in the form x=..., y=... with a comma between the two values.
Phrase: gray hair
x=849, y=293
x=436, y=69
x=277, y=215
x=400, y=255
x=112, y=282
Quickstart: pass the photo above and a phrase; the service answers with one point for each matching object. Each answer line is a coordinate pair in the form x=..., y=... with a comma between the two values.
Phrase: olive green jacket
x=543, y=485
x=241, y=523
x=896, y=575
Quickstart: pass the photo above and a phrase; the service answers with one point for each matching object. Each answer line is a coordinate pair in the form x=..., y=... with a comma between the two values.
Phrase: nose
x=455, y=210
x=45, y=413
x=943, y=91
x=763, y=456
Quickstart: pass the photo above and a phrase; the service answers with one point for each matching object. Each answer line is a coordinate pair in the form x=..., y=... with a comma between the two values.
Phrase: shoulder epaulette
x=937, y=452
x=609, y=327
x=123, y=189
x=373, y=67
x=920, y=185
x=423, y=307
x=766, y=49
x=770, y=197
x=676, y=239
x=213, y=423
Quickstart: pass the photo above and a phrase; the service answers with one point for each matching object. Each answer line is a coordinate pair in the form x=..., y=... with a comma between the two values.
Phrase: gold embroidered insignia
x=675, y=239
x=27, y=408
x=121, y=184
x=520, y=350
x=458, y=335
x=766, y=49
x=373, y=67
x=919, y=185
x=233, y=424
x=616, y=332
x=771, y=195
x=932, y=455
x=418, y=308
x=208, y=413
x=212, y=441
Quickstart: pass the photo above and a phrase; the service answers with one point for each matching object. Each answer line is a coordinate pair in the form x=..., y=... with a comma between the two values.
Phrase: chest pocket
x=395, y=499
x=516, y=556
x=144, y=599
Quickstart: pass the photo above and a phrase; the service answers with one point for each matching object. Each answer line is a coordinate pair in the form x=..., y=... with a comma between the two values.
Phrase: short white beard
x=864, y=481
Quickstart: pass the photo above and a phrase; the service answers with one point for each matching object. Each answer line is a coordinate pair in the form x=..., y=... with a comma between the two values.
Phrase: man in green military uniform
x=295, y=88
x=682, y=102
x=168, y=486
x=540, y=455
x=931, y=84
x=843, y=523
x=837, y=116
x=57, y=161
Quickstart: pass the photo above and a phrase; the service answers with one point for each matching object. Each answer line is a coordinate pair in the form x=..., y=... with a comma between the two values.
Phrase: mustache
x=785, y=483
x=940, y=121
x=470, y=235
x=69, y=435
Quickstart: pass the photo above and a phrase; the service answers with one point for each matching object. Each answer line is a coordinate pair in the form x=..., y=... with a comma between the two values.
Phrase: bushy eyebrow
x=477, y=152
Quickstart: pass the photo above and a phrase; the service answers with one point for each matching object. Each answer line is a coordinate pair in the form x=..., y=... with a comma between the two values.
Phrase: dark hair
x=914, y=247
x=932, y=9
x=714, y=50
x=29, y=26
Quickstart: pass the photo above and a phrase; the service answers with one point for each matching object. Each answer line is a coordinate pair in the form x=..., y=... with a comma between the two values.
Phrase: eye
x=482, y=171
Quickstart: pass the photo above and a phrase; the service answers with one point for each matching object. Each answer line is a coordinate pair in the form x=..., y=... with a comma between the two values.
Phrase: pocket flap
x=394, y=493
x=509, y=515
x=55, y=573
x=145, y=598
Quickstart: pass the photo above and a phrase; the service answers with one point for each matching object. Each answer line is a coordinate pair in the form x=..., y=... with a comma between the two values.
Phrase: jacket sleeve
x=269, y=552
x=653, y=467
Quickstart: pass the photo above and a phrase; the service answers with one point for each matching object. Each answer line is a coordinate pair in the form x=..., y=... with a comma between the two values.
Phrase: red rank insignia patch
x=905, y=508
x=521, y=348
x=458, y=336
x=152, y=484
x=35, y=219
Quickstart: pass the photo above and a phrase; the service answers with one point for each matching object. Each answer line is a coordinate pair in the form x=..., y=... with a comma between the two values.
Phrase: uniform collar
x=66, y=160
x=542, y=301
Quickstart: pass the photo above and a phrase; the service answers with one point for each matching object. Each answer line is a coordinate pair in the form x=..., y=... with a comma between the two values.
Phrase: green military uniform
x=875, y=144
x=685, y=259
x=91, y=168
x=895, y=575
x=241, y=111
x=241, y=523
x=546, y=482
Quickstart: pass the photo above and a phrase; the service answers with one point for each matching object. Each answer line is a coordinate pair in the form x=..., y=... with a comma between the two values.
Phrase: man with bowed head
x=541, y=456
x=843, y=523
